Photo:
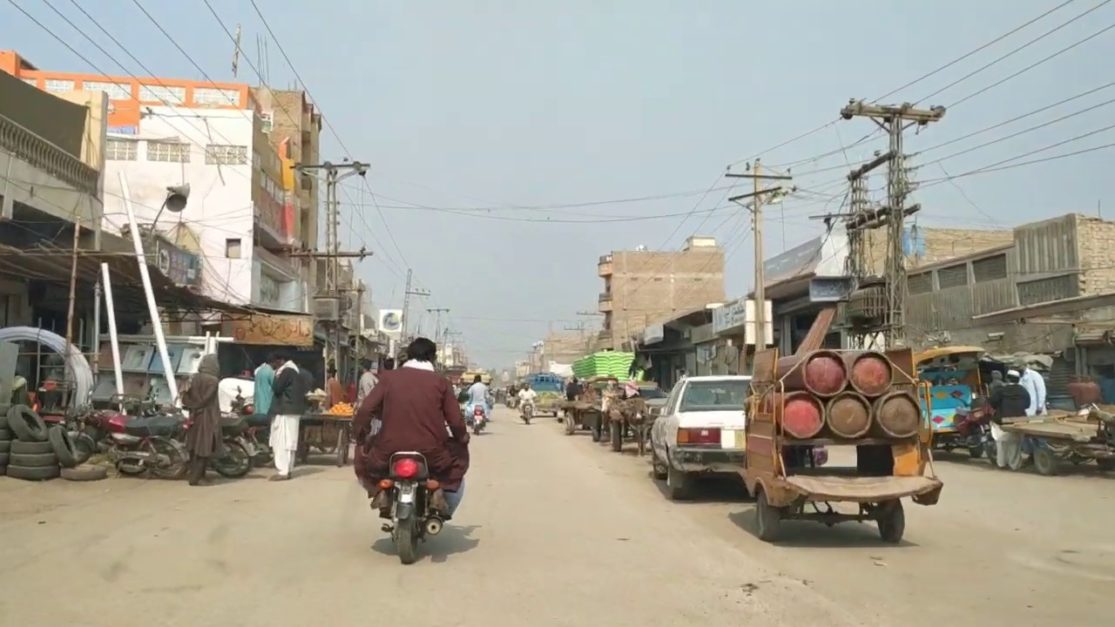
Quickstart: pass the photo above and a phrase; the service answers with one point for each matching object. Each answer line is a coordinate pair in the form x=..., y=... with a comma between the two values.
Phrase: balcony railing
x=47, y=157
x=605, y=301
x=604, y=267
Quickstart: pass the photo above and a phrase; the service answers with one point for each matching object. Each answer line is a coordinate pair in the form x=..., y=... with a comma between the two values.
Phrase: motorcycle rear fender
x=404, y=512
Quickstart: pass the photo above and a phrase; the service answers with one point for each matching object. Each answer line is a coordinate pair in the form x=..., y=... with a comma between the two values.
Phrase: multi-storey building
x=247, y=210
x=644, y=287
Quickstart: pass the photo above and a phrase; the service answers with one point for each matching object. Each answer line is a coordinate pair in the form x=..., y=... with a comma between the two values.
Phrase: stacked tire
x=37, y=452
x=5, y=441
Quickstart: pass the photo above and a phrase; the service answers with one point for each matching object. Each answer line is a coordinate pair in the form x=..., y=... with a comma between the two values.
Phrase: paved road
x=554, y=531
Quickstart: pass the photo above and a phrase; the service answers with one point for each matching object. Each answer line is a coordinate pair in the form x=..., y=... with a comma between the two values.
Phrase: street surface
x=554, y=530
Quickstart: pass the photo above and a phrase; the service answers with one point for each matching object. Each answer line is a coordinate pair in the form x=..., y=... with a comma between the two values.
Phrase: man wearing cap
x=1010, y=402
x=1035, y=386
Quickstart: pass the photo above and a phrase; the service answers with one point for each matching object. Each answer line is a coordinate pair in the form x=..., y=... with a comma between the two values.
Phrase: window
x=269, y=291
x=55, y=85
x=232, y=248
x=920, y=283
x=723, y=395
x=162, y=94
x=990, y=269
x=267, y=121
x=225, y=154
x=205, y=96
x=114, y=91
x=953, y=276
x=175, y=152
x=121, y=150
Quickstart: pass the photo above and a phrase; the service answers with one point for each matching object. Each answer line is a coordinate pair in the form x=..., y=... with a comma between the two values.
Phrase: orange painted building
x=128, y=95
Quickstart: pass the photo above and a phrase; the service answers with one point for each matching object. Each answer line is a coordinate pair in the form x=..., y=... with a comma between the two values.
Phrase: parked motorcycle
x=141, y=444
x=409, y=488
x=257, y=434
x=236, y=460
x=527, y=411
x=973, y=432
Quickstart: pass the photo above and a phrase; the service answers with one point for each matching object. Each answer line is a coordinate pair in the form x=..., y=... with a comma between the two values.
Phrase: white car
x=700, y=431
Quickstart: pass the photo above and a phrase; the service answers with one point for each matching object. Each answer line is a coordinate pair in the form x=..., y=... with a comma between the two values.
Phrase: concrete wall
x=58, y=121
x=1097, y=254
x=648, y=287
x=926, y=246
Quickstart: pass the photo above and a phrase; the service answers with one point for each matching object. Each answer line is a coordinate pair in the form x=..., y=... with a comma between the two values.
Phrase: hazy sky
x=520, y=106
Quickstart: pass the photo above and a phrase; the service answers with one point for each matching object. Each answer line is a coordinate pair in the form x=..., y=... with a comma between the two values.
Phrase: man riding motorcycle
x=414, y=405
x=479, y=396
x=527, y=396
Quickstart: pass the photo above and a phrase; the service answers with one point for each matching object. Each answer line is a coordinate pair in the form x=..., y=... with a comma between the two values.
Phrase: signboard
x=749, y=323
x=180, y=266
x=276, y=330
x=728, y=317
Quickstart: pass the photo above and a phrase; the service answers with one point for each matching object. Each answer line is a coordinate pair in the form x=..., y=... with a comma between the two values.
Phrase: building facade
x=245, y=213
x=643, y=287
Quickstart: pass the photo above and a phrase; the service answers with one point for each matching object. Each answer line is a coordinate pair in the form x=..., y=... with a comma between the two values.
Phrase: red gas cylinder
x=802, y=416
x=897, y=414
x=821, y=372
x=869, y=373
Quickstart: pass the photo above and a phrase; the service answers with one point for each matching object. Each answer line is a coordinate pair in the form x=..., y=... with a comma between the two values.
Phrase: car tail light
x=406, y=468
x=703, y=436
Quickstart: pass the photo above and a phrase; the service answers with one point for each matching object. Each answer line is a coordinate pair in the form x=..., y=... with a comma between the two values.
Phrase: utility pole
x=894, y=119
x=407, y=293
x=334, y=174
x=757, y=195
x=437, y=322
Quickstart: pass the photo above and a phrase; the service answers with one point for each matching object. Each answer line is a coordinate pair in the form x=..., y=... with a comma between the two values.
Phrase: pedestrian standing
x=287, y=408
x=1035, y=386
x=264, y=379
x=334, y=391
x=203, y=439
x=368, y=381
x=1010, y=403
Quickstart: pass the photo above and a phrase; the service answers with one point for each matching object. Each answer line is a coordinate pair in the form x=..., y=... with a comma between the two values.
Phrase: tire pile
x=32, y=451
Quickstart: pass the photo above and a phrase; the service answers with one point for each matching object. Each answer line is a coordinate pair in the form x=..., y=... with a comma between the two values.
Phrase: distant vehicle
x=700, y=431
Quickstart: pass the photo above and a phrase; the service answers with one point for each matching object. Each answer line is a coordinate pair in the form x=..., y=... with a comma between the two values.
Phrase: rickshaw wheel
x=1106, y=464
x=768, y=519
x=892, y=522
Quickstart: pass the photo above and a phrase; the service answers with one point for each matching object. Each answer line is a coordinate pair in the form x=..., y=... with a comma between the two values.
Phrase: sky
x=496, y=130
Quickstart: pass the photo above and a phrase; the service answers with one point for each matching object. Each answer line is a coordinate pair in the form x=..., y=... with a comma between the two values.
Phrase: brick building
x=643, y=287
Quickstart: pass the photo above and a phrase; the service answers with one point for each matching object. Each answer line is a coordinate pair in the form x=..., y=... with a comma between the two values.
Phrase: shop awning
x=53, y=265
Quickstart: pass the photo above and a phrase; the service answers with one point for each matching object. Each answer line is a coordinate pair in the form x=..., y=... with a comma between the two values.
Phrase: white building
x=237, y=218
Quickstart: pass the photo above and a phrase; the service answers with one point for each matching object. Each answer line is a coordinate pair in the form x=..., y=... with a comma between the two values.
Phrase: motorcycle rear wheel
x=235, y=463
x=406, y=541
x=175, y=466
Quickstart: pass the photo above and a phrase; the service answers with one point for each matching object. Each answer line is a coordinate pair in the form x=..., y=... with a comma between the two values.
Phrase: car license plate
x=732, y=438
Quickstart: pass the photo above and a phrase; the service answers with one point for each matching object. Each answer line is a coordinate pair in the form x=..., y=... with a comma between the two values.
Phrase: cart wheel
x=1107, y=464
x=1046, y=462
x=768, y=519
x=892, y=521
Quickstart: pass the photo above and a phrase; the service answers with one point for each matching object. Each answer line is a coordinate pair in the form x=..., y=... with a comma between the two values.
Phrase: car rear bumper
x=707, y=460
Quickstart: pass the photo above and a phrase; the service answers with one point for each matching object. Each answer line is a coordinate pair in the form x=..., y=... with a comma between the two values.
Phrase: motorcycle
x=476, y=419
x=144, y=444
x=409, y=487
x=973, y=432
x=527, y=411
x=257, y=436
x=236, y=460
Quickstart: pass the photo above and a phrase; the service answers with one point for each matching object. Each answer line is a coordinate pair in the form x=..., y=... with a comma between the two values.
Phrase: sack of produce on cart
x=604, y=364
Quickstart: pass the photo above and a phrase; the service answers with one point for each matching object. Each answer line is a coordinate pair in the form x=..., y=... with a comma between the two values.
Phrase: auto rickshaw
x=954, y=398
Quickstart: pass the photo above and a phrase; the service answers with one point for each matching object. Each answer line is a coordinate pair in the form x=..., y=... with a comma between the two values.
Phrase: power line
x=1012, y=53
x=972, y=52
x=1035, y=64
x=996, y=167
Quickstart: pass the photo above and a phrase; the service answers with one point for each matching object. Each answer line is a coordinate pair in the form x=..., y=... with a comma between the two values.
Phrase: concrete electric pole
x=407, y=293
x=757, y=195
x=894, y=119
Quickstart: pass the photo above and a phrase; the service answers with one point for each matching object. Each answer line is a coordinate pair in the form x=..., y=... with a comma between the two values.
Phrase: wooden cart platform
x=343, y=425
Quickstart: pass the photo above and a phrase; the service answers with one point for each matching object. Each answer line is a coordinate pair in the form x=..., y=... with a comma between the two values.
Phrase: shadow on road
x=451, y=541
x=711, y=490
x=809, y=534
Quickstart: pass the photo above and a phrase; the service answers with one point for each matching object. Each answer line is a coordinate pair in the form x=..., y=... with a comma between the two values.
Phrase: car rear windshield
x=714, y=395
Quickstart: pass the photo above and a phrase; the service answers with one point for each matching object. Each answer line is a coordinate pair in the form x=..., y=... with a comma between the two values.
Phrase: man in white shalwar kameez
x=287, y=408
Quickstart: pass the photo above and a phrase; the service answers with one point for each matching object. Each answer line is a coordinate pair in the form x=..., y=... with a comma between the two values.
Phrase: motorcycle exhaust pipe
x=433, y=526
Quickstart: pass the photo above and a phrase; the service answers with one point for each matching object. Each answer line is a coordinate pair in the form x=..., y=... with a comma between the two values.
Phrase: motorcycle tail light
x=478, y=411
x=386, y=484
x=432, y=484
x=406, y=468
